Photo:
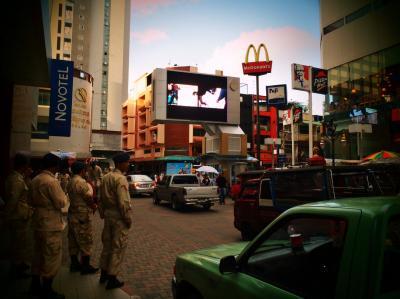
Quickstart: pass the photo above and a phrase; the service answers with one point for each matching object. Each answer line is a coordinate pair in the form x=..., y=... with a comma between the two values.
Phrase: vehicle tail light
x=135, y=185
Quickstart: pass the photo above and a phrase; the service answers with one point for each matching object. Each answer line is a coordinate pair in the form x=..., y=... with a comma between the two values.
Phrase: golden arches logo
x=257, y=67
x=256, y=53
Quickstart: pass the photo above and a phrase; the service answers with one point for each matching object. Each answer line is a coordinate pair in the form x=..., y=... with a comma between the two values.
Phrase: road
x=159, y=234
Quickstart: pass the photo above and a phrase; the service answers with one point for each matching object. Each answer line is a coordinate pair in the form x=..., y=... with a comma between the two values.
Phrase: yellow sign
x=257, y=67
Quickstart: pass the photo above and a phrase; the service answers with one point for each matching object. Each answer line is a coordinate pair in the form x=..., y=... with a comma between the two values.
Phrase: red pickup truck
x=262, y=200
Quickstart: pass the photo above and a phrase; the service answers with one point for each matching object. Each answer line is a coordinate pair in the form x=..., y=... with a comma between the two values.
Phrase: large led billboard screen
x=195, y=98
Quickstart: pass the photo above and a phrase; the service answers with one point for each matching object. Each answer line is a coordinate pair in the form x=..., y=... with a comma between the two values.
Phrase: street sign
x=272, y=141
x=360, y=128
x=257, y=67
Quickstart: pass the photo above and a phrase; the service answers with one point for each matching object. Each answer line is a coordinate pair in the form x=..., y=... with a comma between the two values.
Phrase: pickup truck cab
x=262, y=200
x=184, y=190
x=347, y=248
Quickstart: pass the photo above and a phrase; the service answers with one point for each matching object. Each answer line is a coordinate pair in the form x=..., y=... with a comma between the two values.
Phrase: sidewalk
x=72, y=285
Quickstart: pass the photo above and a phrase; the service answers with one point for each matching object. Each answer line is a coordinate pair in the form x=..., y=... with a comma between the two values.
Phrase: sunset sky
x=215, y=34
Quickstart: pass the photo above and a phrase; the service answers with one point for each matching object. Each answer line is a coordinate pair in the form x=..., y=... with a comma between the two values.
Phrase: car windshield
x=141, y=178
x=185, y=180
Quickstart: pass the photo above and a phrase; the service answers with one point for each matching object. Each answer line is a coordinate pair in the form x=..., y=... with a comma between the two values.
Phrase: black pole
x=258, y=123
x=333, y=151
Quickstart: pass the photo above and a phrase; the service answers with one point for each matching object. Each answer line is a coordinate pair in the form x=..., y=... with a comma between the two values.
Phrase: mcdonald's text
x=257, y=67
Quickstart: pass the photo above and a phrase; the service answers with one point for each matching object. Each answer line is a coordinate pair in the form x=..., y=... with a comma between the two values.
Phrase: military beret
x=77, y=167
x=121, y=157
x=50, y=160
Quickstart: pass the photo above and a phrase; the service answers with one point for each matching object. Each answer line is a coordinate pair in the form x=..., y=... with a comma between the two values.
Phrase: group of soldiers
x=53, y=199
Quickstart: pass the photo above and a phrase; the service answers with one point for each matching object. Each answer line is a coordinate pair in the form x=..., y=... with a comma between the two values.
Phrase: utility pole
x=258, y=120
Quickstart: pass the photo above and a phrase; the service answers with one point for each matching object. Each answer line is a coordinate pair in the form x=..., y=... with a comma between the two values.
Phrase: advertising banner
x=319, y=80
x=287, y=117
x=276, y=95
x=62, y=73
x=257, y=67
x=179, y=168
x=79, y=139
x=300, y=77
x=297, y=115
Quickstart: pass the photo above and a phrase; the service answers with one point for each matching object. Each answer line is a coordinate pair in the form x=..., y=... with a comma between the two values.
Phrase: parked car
x=258, y=205
x=185, y=190
x=140, y=184
x=346, y=248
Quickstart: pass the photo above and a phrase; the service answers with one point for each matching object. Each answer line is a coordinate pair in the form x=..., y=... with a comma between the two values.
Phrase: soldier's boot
x=113, y=282
x=86, y=268
x=103, y=276
x=75, y=265
x=36, y=287
x=48, y=292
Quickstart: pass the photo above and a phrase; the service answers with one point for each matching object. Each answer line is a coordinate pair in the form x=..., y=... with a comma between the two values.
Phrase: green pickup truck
x=348, y=248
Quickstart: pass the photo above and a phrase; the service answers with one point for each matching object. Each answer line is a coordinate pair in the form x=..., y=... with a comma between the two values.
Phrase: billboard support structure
x=257, y=68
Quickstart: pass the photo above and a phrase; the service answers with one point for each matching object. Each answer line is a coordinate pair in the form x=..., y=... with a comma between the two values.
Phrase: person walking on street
x=80, y=230
x=221, y=183
x=115, y=208
x=18, y=214
x=48, y=199
x=95, y=174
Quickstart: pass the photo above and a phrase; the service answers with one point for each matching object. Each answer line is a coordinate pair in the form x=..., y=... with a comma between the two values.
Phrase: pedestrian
x=80, y=230
x=48, y=199
x=18, y=214
x=206, y=180
x=115, y=209
x=64, y=175
x=95, y=174
x=221, y=183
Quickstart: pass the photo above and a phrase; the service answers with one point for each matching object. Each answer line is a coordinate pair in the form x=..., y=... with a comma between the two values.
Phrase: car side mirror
x=228, y=264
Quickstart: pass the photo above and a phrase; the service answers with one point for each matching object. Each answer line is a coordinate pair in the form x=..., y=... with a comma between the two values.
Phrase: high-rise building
x=95, y=35
x=360, y=47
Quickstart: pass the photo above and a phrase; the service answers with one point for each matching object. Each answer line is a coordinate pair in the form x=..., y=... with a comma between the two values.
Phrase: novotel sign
x=62, y=73
x=257, y=67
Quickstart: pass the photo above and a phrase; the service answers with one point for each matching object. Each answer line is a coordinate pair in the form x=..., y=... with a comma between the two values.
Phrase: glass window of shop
x=366, y=82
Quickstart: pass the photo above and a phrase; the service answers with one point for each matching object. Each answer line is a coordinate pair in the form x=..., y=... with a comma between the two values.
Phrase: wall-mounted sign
x=319, y=80
x=276, y=95
x=257, y=67
x=62, y=73
x=287, y=117
x=300, y=77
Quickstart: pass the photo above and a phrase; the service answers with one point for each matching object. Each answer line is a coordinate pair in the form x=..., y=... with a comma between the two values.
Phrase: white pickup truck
x=184, y=190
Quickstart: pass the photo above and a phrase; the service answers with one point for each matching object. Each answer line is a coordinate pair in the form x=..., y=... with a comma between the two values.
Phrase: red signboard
x=257, y=67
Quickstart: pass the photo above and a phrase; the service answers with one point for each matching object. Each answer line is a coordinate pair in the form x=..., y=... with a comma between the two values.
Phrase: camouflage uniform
x=18, y=214
x=115, y=208
x=95, y=176
x=64, y=179
x=80, y=231
x=48, y=199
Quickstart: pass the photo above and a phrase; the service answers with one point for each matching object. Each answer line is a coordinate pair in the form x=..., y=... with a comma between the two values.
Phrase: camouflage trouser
x=19, y=240
x=115, y=240
x=80, y=234
x=47, y=253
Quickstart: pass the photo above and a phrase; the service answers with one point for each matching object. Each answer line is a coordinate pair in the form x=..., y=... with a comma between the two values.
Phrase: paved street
x=159, y=234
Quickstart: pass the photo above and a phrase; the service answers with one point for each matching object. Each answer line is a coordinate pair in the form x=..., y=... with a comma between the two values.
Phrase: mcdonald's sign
x=257, y=67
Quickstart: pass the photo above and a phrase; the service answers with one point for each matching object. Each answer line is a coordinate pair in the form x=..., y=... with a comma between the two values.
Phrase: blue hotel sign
x=62, y=73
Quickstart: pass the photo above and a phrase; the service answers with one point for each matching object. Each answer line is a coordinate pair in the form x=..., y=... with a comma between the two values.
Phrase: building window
x=157, y=150
x=334, y=26
x=44, y=97
x=358, y=13
x=67, y=56
x=58, y=56
x=59, y=26
x=147, y=151
x=58, y=43
x=60, y=9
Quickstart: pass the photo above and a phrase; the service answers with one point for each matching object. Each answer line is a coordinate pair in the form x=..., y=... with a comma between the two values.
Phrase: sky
x=214, y=35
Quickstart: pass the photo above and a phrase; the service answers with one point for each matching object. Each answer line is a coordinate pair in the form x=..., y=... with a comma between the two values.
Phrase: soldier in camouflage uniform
x=18, y=213
x=115, y=208
x=80, y=231
x=48, y=200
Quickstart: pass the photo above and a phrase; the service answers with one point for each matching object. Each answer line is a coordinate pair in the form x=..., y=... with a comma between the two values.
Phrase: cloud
x=149, y=36
x=147, y=7
x=286, y=45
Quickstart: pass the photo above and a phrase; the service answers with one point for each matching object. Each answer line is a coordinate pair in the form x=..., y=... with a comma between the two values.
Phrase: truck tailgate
x=202, y=192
